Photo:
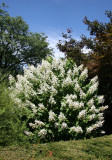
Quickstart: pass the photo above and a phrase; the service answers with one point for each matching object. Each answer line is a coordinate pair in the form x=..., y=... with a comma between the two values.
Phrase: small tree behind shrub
x=57, y=101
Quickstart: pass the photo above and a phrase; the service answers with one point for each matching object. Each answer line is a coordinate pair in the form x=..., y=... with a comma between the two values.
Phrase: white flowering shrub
x=57, y=101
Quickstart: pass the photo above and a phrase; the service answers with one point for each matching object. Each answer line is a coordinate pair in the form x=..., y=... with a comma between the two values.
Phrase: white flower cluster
x=52, y=100
x=28, y=133
x=82, y=94
x=100, y=116
x=57, y=97
x=37, y=124
x=89, y=130
x=67, y=82
x=17, y=100
x=103, y=108
x=94, y=110
x=56, y=125
x=28, y=73
x=54, y=81
x=34, y=108
x=11, y=79
x=61, y=117
x=32, y=125
x=52, y=116
x=71, y=101
x=70, y=73
x=84, y=74
x=77, y=129
x=92, y=117
x=100, y=99
x=94, y=80
x=93, y=88
x=94, y=127
x=53, y=91
x=63, y=104
x=71, y=96
x=90, y=102
x=42, y=133
x=44, y=89
x=77, y=87
x=75, y=71
x=22, y=86
x=81, y=67
x=31, y=105
x=41, y=106
x=82, y=114
x=45, y=65
x=64, y=126
x=58, y=65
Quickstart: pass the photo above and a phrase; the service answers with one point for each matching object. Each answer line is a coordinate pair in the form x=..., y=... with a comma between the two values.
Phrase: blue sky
x=53, y=17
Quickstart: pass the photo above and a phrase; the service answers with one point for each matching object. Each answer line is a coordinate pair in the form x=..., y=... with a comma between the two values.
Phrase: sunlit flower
x=51, y=116
x=52, y=100
x=103, y=108
x=61, y=117
x=28, y=133
x=90, y=102
x=89, y=130
x=84, y=74
x=93, y=88
x=42, y=133
x=91, y=117
x=56, y=125
x=82, y=114
x=39, y=123
x=64, y=126
x=77, y=129
x=100, y=99
x=41, y=106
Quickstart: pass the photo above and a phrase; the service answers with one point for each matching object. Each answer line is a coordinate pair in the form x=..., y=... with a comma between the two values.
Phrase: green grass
x=91, y=149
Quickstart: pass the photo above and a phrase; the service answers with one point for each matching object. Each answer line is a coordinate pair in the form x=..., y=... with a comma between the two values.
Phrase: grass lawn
x=91, y=149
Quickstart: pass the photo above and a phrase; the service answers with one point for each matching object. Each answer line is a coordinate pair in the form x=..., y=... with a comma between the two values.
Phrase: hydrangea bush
x=58, y=102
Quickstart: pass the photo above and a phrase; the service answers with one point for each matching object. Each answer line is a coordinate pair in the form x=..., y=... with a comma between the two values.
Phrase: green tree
x=19, y=46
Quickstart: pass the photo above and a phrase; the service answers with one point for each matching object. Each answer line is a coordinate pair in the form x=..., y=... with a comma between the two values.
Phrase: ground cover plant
x=92, y=149
x=58, y=102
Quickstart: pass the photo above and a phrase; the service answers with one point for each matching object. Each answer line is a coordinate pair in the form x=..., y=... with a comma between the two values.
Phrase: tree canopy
x=19, y=46
x=71, y=47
